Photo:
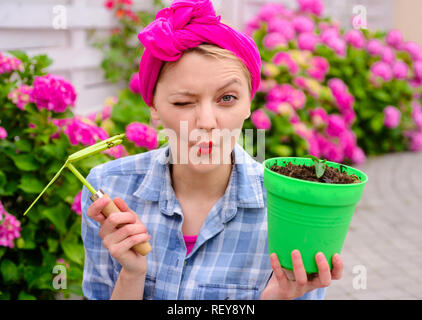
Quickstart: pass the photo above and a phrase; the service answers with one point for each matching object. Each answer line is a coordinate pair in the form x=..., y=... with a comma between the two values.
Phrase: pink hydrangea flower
x=117, y=151
x=417, y=114
x=415, y=140
x=413, y=49
x=359, y=156
x=319, y=67
x=9, y=64
x=382, y=70
x=283, y=58
x=349, y=115
x=142, y=135
x=336, y=125
x=312, y=6
x=274, y=39
x=3, y=133
x=76, y=206
x=260, y=119
x=307, y=41
x=348, y=142
x=282, y=26
x=417, y=68
x=374, y=47
x=280, y=93
x=400, y=70
x=388, y=55
x=252, y=25
x=319, y=117
x=297, y=99
x=391, y=117
x=355, y=38
x=340, y=92
x=334, y=152
x=53, y=93
x=84, y=131
x=21, y=96
x=303, y=24
x=10, y=228
x=394, y=38
x=134, y=84
x=313, y=146
x=331, y=37
x=271, y=10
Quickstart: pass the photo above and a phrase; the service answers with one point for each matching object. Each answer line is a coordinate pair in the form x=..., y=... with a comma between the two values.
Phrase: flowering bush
x=121, y=48
x=337, y=94
x=38, y=131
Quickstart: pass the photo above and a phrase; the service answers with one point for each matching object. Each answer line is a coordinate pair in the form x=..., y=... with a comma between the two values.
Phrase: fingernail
x=320, y=256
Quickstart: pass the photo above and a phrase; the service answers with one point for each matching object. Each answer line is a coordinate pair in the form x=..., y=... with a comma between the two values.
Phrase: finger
x=337, y=271
x=298, y=269
x=278, y=271
x=94, y=210
x=121, y=204
x=114, y=220
x=324, y=273
x=121, y=234
x=118, y=249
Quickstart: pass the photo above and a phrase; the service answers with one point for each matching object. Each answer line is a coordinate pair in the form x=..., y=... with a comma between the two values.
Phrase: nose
x=206, y=116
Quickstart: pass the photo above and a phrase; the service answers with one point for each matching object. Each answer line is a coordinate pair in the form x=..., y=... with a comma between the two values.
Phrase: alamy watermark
x=60, y=281
x=222, y=144
x=359, y=17
x=59, y=20
x=360, y=280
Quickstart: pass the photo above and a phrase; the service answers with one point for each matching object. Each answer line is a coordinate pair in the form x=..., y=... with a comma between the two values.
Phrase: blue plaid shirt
x=230, y=259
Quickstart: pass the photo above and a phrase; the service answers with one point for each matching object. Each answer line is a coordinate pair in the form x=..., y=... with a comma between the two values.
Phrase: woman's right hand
x=119, y=241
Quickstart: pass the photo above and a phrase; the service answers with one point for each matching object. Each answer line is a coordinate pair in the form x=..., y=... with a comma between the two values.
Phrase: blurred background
x=341, y=80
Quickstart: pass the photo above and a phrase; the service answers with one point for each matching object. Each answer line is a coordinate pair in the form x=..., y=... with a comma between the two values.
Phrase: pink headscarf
x=184, y=25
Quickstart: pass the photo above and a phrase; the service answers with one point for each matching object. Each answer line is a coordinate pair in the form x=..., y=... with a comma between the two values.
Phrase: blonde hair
x=212, y=51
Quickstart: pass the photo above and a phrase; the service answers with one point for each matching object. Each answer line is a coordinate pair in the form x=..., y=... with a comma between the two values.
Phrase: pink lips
x=205, y=148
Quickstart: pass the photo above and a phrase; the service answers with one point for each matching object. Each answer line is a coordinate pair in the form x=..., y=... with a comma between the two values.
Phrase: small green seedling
x=320, y=165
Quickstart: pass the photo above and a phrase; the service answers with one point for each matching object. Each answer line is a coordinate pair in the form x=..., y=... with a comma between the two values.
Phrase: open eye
x=228, y=96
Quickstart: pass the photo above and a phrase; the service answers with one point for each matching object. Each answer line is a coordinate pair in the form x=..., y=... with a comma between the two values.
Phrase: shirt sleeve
x=98, y=282
x=317, y=294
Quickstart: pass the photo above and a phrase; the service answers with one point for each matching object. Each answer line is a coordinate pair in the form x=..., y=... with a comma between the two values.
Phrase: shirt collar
x=244, y=189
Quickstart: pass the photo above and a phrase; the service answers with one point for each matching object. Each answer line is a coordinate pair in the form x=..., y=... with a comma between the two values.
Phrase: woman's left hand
x=280, y=288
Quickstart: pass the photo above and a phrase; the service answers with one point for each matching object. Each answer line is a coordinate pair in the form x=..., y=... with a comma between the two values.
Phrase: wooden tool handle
x=142, y=248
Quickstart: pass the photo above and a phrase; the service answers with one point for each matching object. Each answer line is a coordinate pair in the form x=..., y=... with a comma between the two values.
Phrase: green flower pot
x=309, y=216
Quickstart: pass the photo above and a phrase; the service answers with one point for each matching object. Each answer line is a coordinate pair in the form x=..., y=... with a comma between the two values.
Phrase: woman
x=204, y=216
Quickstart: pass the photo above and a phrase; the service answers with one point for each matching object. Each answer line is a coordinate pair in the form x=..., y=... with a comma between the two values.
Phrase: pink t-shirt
x=190, y=242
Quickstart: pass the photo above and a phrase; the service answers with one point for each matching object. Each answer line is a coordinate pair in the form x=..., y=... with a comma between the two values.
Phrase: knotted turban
x=187, y=24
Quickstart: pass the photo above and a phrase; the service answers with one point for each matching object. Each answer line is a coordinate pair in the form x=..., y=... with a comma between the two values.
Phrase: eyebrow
x=188, y=93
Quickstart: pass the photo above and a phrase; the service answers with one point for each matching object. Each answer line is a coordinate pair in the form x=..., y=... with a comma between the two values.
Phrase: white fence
x=63, y=28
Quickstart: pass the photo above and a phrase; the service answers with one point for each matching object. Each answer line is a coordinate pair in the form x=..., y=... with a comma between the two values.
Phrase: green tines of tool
x=79, y=155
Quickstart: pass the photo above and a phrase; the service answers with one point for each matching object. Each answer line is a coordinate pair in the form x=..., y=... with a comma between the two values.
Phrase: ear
x=248, y=114
x=154, y=112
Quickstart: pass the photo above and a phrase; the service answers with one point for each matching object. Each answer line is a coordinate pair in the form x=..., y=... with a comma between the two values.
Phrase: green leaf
x=30, y=183
x=21, y=55
x=2, y=179
x=24, y=145
x=25, y=162
x=27, y=239
x=9, y=271
x=26, y=296
x=319, y=169
x=58, y=216
x=73, y=250
x=311, y=157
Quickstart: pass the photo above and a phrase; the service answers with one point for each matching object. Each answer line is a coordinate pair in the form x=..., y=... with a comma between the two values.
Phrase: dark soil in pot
x=303, y=172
